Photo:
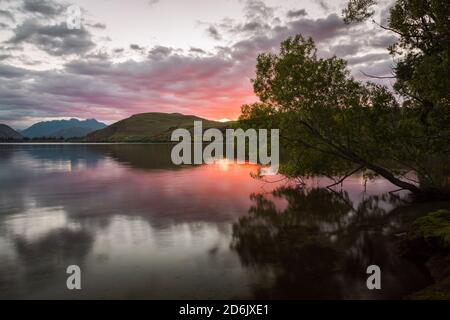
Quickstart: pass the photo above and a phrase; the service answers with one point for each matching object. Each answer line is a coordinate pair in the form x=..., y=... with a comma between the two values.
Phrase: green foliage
x=358, y=10
x=422, y=72
x=328, y=122
x=423, y=53
x=434, y=228
x=331, y=124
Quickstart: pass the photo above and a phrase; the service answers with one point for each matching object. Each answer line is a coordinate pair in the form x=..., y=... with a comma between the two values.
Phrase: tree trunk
x=391, y=178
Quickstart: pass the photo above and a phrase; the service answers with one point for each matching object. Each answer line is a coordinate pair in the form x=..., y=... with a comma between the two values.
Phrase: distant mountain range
x=149, y=127
x=7, y=133
x=72, y=128
x=145, y=127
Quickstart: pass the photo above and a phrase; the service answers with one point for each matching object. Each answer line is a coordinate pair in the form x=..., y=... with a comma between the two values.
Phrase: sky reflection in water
x=140, y=227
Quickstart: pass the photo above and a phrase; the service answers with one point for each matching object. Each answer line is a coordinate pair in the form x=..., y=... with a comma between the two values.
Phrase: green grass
x=150, y=127
x=434, y=228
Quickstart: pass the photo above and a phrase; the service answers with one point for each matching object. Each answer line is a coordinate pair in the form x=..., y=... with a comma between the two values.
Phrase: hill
x=7, y=133
x=63, y=128
x=149, y=127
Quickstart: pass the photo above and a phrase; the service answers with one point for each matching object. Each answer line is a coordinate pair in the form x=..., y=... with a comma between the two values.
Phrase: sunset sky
x=188, y=56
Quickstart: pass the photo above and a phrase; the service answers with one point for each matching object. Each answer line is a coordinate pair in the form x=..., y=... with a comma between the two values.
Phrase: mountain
x=7, y=133
x=74, y=132
x=149, y=127
x=63, y=128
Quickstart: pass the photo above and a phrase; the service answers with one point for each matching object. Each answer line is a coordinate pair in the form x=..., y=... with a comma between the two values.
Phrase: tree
x=423, y=27
x=332, y=125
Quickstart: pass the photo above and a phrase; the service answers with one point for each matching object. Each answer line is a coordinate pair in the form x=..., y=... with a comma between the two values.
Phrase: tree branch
x=345, y=177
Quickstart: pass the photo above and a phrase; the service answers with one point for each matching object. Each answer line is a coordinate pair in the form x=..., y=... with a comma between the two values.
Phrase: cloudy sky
x=188, y=56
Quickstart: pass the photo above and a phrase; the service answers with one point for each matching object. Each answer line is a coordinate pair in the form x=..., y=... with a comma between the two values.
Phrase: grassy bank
x=429, y=243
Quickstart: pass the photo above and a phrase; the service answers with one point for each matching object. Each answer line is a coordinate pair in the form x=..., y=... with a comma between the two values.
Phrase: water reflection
x=320, y=245
x=136, y=226
x=141, y=228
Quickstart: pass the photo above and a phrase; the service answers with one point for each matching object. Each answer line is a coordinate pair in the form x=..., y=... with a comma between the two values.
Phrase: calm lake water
x=141, y=228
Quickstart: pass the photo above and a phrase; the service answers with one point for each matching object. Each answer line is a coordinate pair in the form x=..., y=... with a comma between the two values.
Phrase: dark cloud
x=197, y=50
x=212, y=85
x=361, y=41
x=254, y=26
x=296, y=13
x=89, y=67
x=109, y=91
x=54, y=39
x=48, y=8
x=320, y=29
x=4, y=56
x=159, y=52
x=345, y=49
x=136, y=47
x=7, y=71
x=7, y=15
x=259, y=19
x=213, y=33
x=382, y=41
x=96, y=25
x=257, y=9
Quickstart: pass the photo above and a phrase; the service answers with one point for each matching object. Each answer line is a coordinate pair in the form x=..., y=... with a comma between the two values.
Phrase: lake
x=142, y=228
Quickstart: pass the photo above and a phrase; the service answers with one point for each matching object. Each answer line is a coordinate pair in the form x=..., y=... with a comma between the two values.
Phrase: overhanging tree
x=332, y=125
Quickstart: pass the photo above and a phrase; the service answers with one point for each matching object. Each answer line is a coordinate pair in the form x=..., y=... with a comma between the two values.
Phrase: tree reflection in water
x=320, y=245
